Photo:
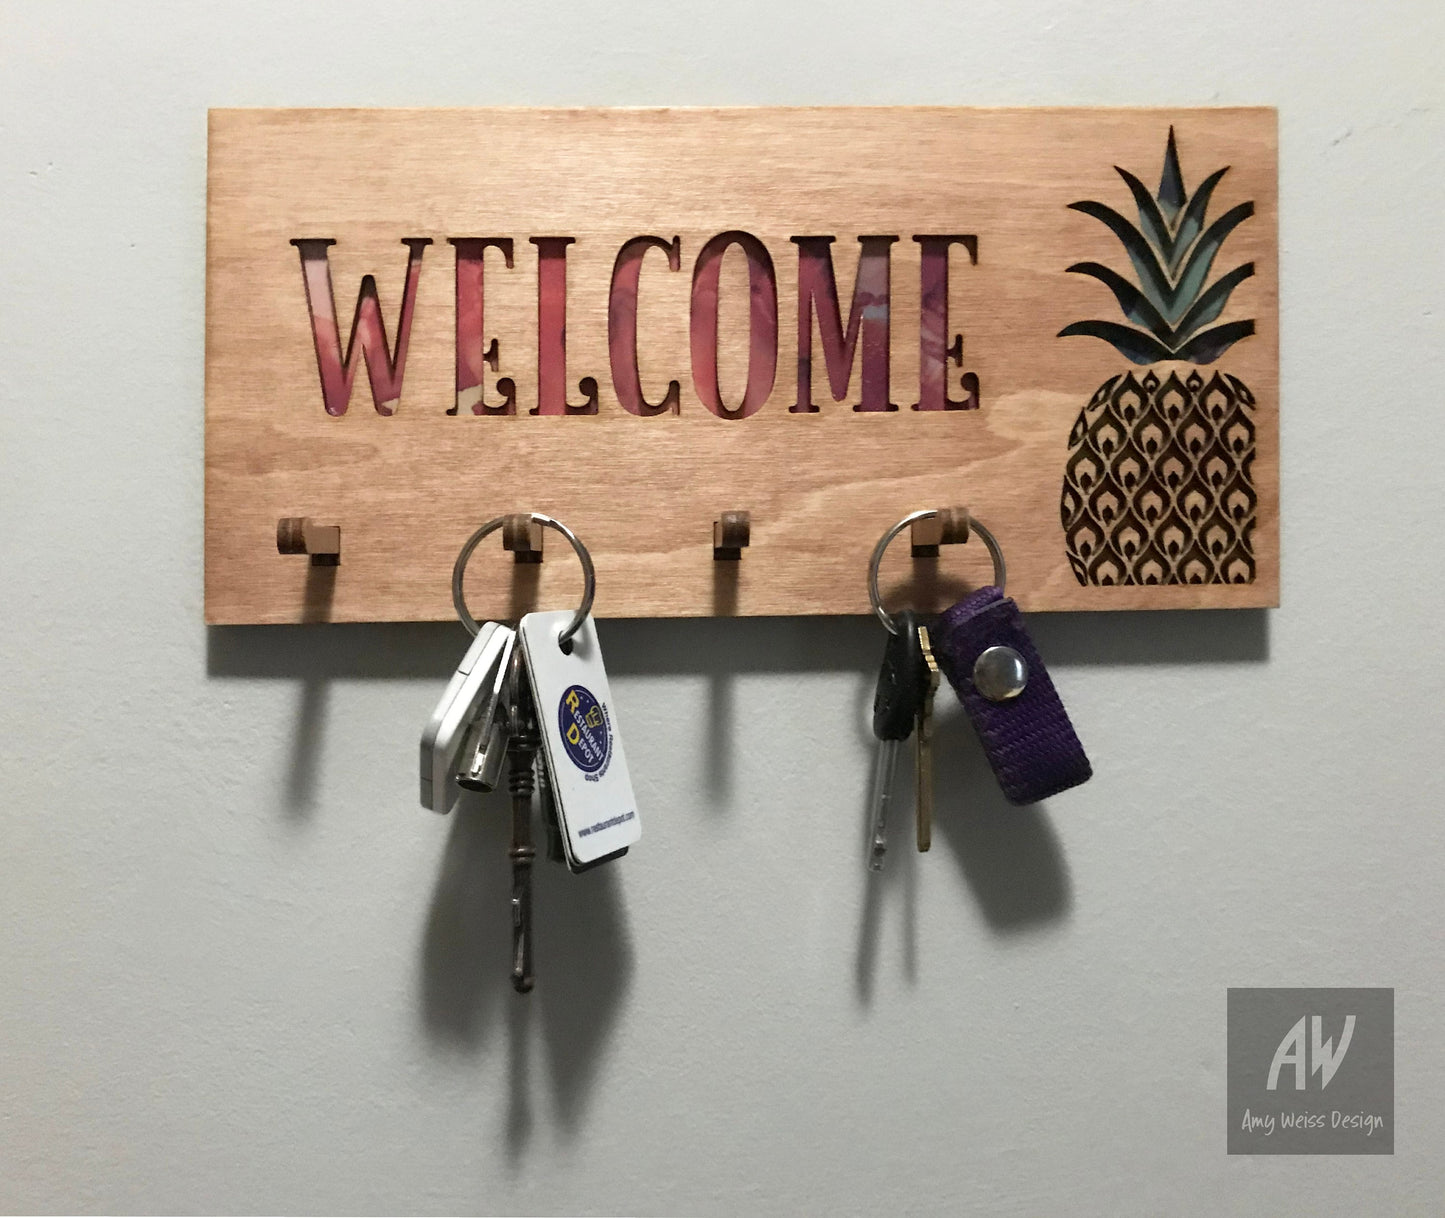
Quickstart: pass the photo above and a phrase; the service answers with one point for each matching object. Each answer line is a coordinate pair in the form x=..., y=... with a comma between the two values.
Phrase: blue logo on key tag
x=586, y=734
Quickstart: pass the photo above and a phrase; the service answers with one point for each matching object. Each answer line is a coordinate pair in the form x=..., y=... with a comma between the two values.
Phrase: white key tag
x=596, y=808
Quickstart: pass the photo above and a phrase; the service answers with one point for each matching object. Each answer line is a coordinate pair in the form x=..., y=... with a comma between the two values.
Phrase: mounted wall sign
x=642, y=321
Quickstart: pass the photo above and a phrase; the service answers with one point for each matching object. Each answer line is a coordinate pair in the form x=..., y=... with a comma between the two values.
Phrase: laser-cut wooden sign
x=639, y=320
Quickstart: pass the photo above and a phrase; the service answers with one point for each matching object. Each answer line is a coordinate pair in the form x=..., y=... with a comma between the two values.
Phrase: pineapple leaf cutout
x=1159, y=487
x=1172, y=253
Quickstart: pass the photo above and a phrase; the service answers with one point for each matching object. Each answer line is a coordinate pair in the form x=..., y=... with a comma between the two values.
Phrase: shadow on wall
x=584, y=958
x=315, y=656
x=1009, y=857
x=720, y=647
x=1197, y=636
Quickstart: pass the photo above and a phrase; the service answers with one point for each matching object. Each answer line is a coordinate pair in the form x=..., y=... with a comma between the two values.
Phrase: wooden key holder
x=886, y=307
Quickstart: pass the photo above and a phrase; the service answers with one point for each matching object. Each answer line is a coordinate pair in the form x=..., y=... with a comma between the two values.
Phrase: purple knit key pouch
x=1027, y=738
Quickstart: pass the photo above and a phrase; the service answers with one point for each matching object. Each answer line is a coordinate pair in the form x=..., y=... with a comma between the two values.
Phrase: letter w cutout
x=384, y=368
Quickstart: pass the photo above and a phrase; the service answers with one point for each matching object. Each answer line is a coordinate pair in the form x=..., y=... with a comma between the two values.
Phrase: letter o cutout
x=762, y=324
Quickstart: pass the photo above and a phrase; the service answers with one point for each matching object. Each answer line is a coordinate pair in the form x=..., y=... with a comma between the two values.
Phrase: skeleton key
x=923, y=744
x=897, y=704
x=521, y=751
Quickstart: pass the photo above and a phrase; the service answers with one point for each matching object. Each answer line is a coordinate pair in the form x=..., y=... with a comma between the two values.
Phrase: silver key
x=473, y=694
x=883, y=771
x=902, y=682
x=485, y=753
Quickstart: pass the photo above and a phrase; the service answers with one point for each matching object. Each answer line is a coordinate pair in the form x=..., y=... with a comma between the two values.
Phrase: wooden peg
x=523, y=537
x=949, y=527
x=302, y=535
x=731, y=532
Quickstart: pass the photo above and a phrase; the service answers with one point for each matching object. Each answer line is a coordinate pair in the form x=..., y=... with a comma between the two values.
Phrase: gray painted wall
x=242, y=970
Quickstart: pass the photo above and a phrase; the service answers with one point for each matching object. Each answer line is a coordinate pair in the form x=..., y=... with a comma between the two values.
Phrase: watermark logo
x=1291, y=1051
x=1311, y=1071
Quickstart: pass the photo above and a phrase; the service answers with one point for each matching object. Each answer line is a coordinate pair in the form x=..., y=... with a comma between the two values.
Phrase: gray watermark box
x=1311, y=1071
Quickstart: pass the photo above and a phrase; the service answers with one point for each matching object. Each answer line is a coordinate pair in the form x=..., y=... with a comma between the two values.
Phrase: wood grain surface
x=643, y=493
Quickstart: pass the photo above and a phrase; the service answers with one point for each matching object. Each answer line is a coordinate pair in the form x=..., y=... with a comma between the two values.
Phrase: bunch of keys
x=983, y=647
x=535, y=701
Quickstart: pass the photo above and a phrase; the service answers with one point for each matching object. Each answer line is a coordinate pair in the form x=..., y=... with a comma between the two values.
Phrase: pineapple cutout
x=1158, y=484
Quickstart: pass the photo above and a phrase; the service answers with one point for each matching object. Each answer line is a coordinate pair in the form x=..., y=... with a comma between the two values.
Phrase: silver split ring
x=589, y=574
x=1000, y=572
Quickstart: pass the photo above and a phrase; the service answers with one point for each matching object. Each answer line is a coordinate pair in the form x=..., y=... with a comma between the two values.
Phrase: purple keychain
x=985, y=651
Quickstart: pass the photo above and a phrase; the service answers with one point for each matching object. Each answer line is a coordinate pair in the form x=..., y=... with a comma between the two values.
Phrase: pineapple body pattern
x=1158, y=488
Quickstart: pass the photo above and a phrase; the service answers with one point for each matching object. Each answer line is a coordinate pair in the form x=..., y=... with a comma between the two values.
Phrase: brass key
x=923, y=745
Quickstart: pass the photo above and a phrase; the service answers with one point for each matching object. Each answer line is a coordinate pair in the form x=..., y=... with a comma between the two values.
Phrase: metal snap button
x=1000, y=673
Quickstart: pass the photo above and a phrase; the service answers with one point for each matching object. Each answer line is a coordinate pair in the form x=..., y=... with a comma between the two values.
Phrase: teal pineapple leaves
x=1172, y=252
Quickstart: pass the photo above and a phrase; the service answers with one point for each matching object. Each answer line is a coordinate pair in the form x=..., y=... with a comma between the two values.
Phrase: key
x=471, y=698
x=521, y=752
x=923, y=745
x=902, y=680
x=484, y=753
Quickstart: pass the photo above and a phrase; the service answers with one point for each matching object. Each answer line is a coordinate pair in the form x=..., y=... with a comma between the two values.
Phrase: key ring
x=1000, y=571
x=589, y=575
